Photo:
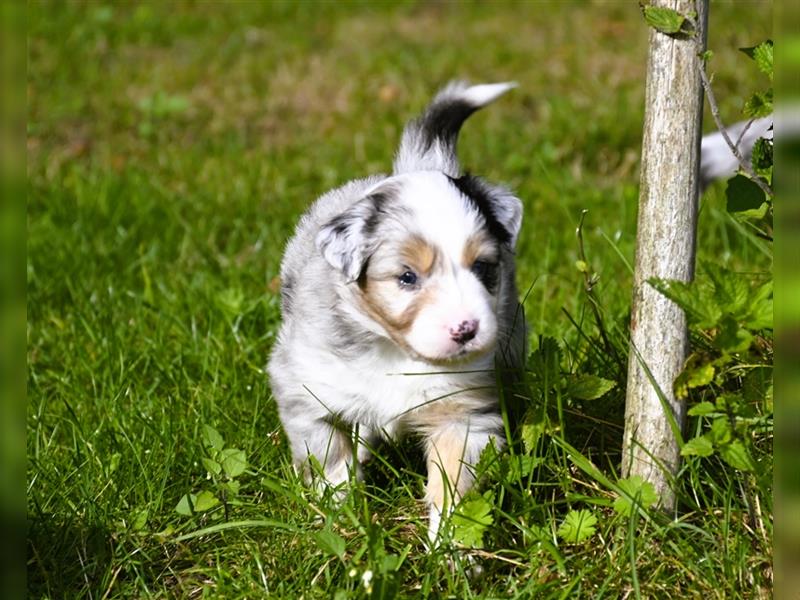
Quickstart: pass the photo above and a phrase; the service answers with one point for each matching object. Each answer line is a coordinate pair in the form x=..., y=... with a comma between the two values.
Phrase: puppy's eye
x=486, y=272
x=407, y=279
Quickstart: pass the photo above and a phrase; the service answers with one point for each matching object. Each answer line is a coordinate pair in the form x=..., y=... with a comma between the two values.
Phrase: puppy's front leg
x=452, y=451
x=328, y=444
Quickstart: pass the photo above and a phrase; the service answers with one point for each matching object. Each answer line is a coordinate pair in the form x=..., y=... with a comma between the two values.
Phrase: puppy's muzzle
x=465, y=331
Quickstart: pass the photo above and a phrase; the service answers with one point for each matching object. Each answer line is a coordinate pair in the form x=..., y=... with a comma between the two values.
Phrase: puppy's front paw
x=437, y=524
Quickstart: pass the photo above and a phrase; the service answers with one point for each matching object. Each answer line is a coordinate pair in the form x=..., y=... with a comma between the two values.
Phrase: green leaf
x=702, y=409
x=212, y=438
x=589, y=387
x=635, y=488
x=696, y=373
x=702, y=375
x=761, y=157
x=545, y=361
x=471, y=519
x=729, y=403
x=204, y=501
x=113, y=464
x=167, y=532
x=745, y=197
x=195, y=503
x=578, y=526
x=730, y=338
x=760, y=314
x=212, y=466
x=184, y=506
x=762, y=55
x=492, y=463
x=232, y=487
x=720, y=431
x=533, y=428
x=665, y=20
x=521, y=465
x=536, y=534
x=234, y=461
x=758, y=105
x=737, y=456
x=139, y=521
x=390, y=563
x=731, y=290
x=699, y=446
x=330, y=542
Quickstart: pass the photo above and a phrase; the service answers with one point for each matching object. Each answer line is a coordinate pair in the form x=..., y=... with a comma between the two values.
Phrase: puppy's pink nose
x=465, y=331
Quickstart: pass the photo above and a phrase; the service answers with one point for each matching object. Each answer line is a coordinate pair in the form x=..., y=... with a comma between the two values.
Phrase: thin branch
x=744, y=131
x=712, y=102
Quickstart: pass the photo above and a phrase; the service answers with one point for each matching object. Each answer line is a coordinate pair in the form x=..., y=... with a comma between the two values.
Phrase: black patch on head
x=443, y=121
x=340, y=225
x=481, y=197
x=380, y=204
x=362, y=276
x=349, y=238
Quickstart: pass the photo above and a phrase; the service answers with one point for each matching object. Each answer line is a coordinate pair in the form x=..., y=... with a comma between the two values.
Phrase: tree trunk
x=665, y=248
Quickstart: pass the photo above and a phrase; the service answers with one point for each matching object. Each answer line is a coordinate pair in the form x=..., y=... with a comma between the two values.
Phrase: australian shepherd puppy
x=399, y=302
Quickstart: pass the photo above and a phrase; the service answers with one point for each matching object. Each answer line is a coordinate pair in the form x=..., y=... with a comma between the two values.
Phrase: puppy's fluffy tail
x=716, y=159
x=429, y=142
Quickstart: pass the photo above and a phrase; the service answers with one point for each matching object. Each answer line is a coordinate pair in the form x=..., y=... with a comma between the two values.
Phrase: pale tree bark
x=665, y=248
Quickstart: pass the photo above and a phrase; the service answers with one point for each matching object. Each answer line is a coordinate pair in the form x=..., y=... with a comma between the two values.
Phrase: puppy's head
x=425, y=250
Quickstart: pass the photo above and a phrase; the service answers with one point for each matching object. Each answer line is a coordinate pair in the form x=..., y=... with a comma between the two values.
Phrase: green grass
x=171, y=149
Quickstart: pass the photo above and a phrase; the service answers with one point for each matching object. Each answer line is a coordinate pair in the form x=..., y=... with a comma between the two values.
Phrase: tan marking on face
x=419, y=255
x=376, y=296
x=477, y=246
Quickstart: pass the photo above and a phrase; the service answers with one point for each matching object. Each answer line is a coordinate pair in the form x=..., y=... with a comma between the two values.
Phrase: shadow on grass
x=66, y=559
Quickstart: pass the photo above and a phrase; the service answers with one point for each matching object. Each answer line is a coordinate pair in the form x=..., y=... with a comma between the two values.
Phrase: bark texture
x=665, y=247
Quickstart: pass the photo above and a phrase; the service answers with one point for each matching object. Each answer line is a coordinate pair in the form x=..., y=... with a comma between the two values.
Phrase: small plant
x=731, y=365
x=223, y=466
x=730, y=316
x=577, y=526
x=636, y=492
x=471, y=519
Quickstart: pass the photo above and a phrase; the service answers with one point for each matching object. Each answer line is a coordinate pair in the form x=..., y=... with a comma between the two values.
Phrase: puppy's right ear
x=348, y=240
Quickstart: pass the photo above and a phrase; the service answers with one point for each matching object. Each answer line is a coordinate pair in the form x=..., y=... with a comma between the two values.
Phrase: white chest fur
x=380, y=388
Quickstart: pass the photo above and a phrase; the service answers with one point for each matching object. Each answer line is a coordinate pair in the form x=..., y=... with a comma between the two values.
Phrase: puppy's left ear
x=508, y=211
x=348, y=240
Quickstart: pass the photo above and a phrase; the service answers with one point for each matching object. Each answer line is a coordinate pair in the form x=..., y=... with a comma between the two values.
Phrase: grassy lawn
x=171, y=149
